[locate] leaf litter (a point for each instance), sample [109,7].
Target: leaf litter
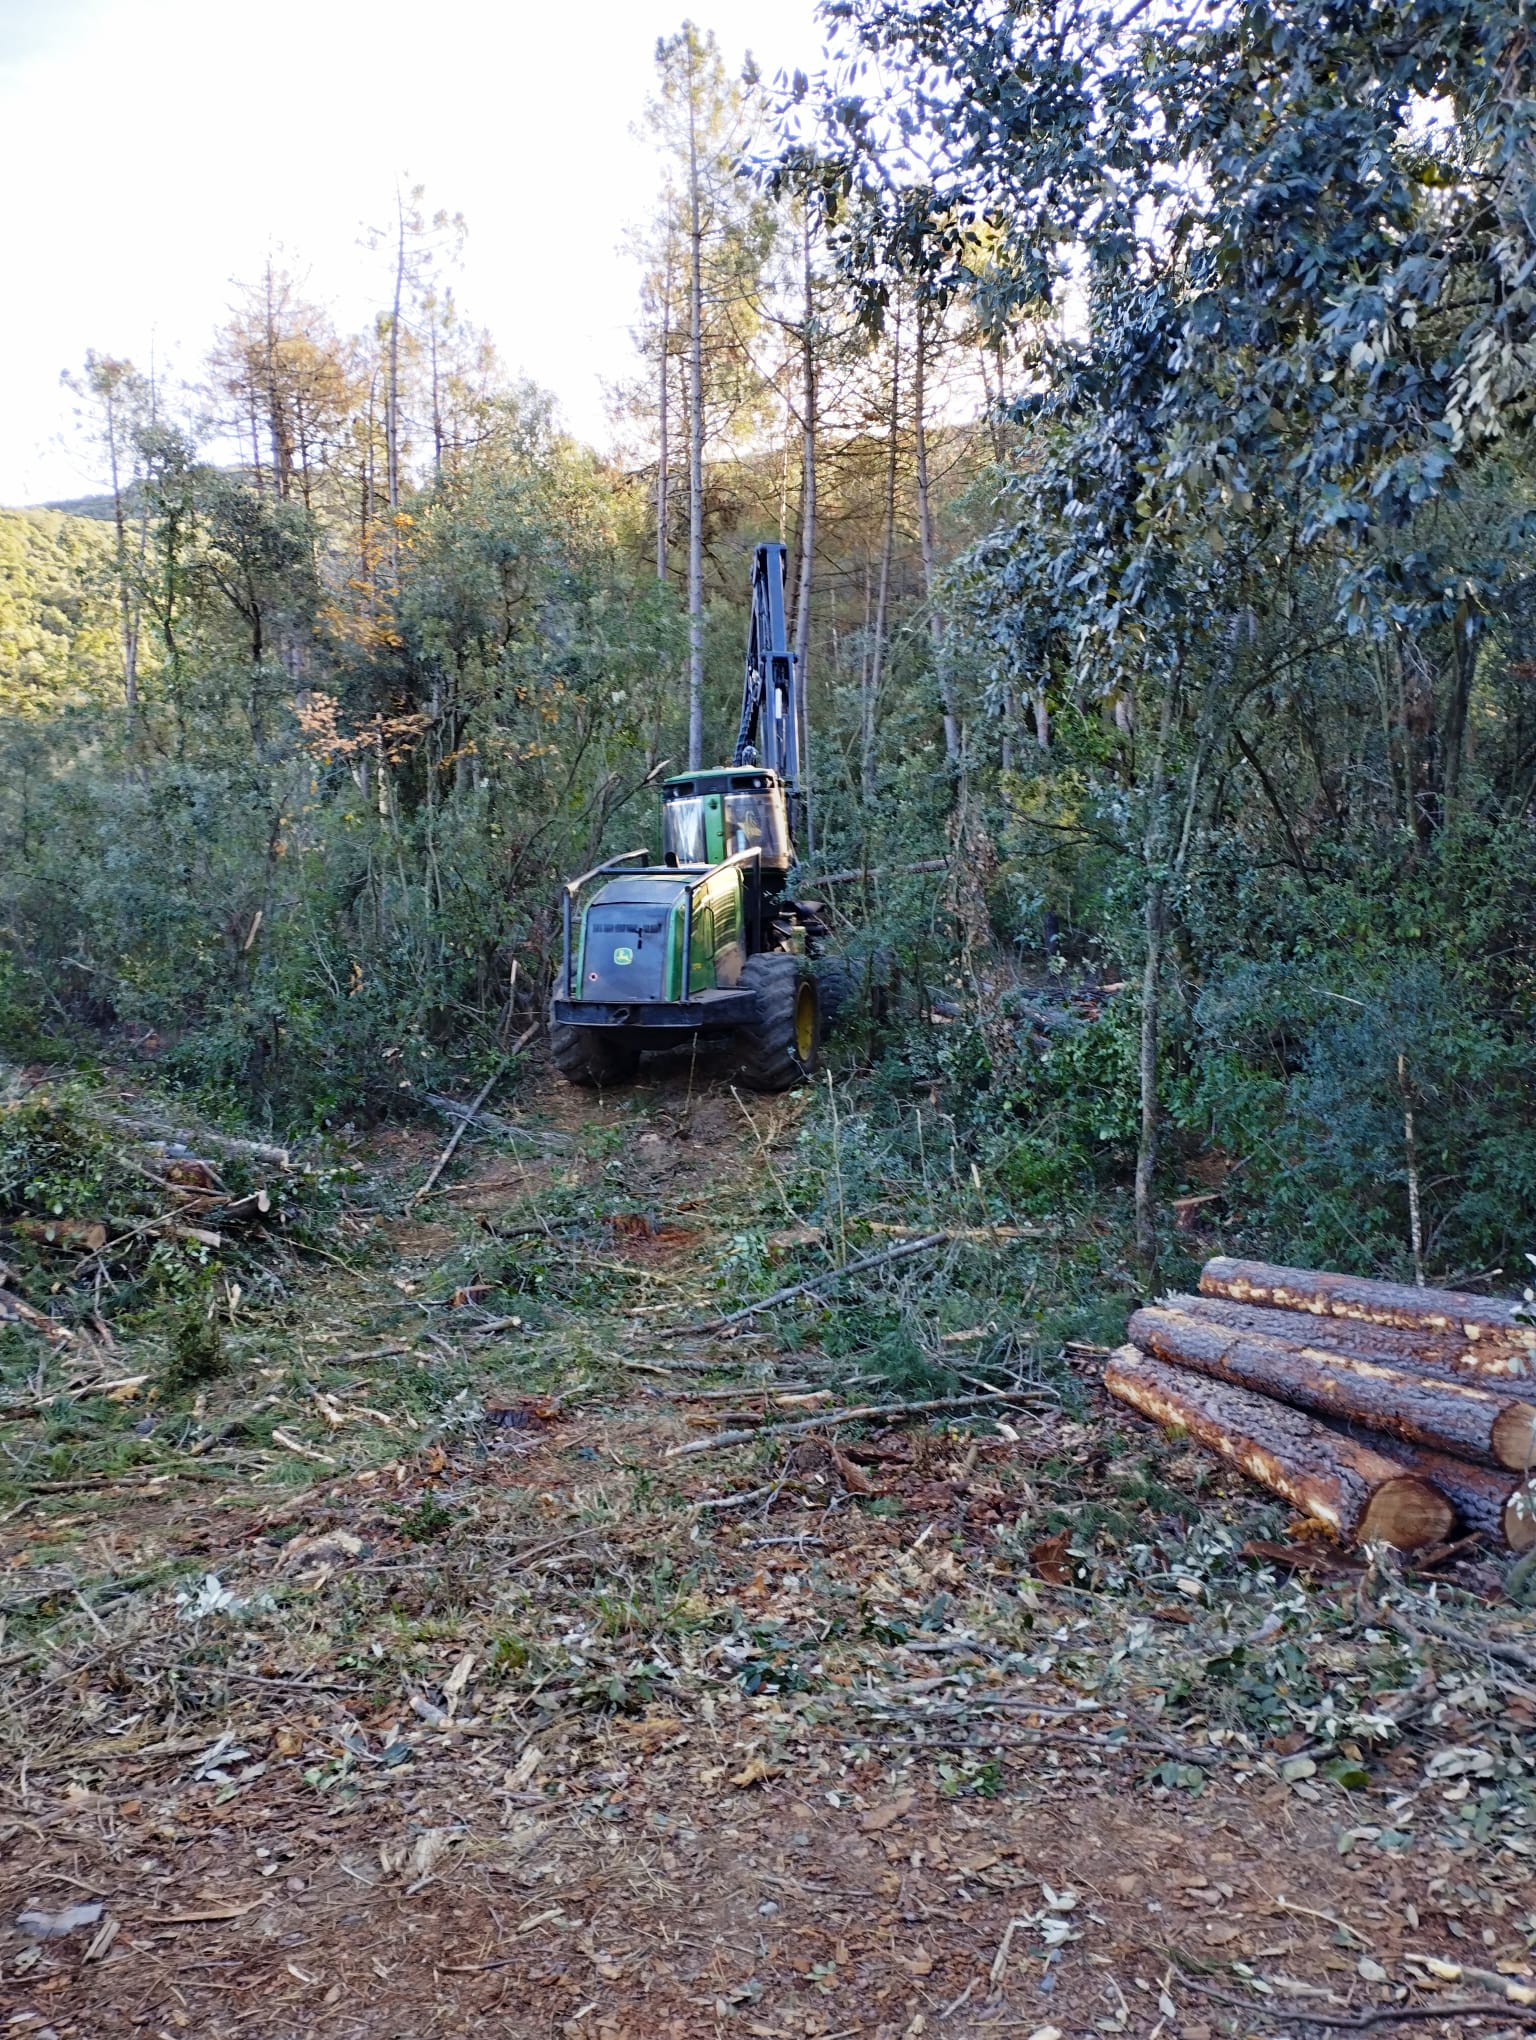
[486,1705]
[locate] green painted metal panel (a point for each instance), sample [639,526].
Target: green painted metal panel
[701,974]
[675,951]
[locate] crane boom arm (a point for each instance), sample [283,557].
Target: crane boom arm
[770,708]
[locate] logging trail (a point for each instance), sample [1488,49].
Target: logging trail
[412,1679]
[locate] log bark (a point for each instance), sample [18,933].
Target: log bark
[69,1235]
[1447,1414]
[15,1310]
[1348,1487]
[1496,1339]
[1421,1349]
[1501,1506]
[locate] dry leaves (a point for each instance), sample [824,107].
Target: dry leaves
[879,1817]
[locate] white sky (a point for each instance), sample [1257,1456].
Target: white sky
[152,151]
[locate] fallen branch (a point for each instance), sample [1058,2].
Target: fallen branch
[1484,1646]
[1348,2022]
[884,871]
[291,1444]
[464,1124]
[1140,1734]
[858,1267]
[867,1413]
[68,1234]
[1509,1987]
[492,1122]
[16,1310]
[970,1232]
[742,1499]
[158,1135]
[77,1392]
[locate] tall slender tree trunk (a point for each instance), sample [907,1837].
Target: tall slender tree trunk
[994,404]
[664,391]
[279,427]
[129,611]
[302,432]
[392,398]
[366,539]
[925,537]
[807,527]
[255,435]
[437,405]
[1155,929]
[695,433]
[1454,742]
[870,703]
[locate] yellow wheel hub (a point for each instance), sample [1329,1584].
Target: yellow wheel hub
[805,1022]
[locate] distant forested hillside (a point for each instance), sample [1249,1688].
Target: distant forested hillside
[59,644]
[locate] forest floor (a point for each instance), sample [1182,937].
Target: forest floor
[415,1683]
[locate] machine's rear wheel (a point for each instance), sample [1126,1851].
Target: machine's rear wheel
[594,1057]
[836,989]
[779,1049]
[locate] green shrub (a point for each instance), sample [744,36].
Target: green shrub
[197,1356]
[54,1162]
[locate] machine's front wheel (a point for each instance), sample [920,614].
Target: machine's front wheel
[780,1048]
[593,1057]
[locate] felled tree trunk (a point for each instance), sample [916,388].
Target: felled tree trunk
[69,1235]
[1497,1343]
[1439,1411]
[1499,1505]
[1420,1348]
[1348,1487]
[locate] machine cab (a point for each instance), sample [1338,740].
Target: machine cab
[709,816]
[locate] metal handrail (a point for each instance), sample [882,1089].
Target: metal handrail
[574,885]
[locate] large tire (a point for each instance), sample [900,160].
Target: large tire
[780,1047]
[594,1057]
[837,989]
[882,983]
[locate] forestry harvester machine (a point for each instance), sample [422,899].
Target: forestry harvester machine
[708,942]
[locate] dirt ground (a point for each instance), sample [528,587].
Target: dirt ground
[476,1712]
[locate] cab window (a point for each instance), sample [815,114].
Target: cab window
[683,830]
[750,825]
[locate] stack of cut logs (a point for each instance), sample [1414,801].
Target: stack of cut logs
[1387,1414]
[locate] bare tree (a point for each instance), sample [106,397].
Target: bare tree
[808,395]
[925,528]
[120,397]
[695,419]
[870,700]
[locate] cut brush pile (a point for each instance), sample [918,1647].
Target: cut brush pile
[1386,1414]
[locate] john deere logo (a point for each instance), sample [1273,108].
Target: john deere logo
[623,956]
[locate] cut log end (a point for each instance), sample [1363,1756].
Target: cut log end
[1519,1520]
[1447,1412]
[1514,1436]
[1348,1486]
[1406,1513]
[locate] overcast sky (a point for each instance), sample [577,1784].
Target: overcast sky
[153,151]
